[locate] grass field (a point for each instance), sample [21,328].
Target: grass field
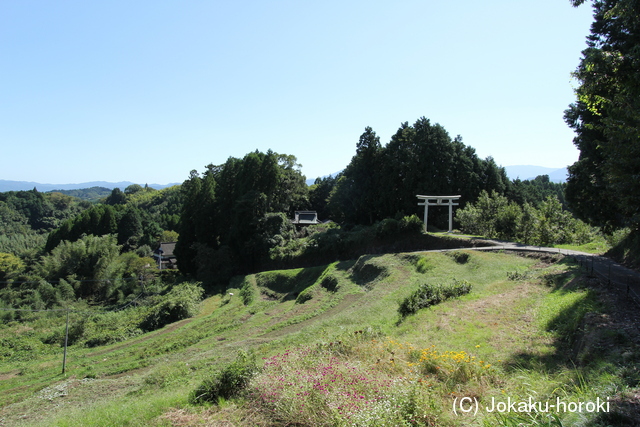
[331,349]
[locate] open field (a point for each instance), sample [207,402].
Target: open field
[530,328]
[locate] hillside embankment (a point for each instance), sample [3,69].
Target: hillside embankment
[331,348]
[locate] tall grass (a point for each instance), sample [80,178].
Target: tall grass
[364,379]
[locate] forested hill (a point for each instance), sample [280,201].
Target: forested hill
[92,194]
[7,185]
[235,217]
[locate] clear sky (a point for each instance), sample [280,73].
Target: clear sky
[146,91]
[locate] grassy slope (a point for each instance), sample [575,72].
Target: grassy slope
[523,328]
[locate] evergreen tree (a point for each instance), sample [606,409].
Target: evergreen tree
[117,197]
[603,185]
[224,215]
[382,182]
[319,194]
[358,187]
[185,249]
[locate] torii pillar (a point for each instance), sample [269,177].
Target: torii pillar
[427,201]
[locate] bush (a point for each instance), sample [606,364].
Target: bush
[411,224]
[246,293]
[229,382]
[387,227]
[330,283]
[496,217]
[427,295]
[179,303]
[390,227]
[424,264]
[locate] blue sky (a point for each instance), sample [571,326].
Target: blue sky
[146,91]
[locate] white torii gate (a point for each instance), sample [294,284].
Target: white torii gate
[438,201]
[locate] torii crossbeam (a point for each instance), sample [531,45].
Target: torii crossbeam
[427,201]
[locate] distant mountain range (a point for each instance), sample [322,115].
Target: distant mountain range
[6,185]
[311,181]
[521,171]
[525,172]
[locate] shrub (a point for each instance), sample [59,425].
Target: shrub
[427,295]
[246,293]
[387,227]
[229,382]
[330,283]
[390,227]
[516,275]
[424,265]
[179,303]
[411,224]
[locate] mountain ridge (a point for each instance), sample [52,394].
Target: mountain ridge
[8,185]
[522,172]
[528,172]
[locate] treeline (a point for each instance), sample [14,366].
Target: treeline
[91,194]
[235,212]
[383,181]
[235,217]
[138,217]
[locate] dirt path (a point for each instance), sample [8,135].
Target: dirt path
[624,279]
[166,330]
[347,301]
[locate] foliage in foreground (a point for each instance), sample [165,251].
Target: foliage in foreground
[41,333]
[338,370]
[359,379]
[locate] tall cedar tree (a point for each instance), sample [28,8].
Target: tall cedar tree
[225,212]
[604,184]
[382,182]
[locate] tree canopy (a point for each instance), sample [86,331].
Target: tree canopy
[227,217]
[383,181]
[604,184]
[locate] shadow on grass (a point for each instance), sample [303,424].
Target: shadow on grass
[288,284]
[591,350]
[573,302]
[366,271]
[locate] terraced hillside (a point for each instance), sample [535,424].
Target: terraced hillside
[327,346]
